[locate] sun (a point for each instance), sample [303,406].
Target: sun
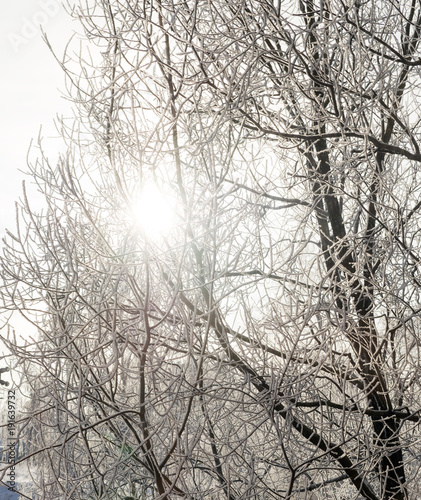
[154,211]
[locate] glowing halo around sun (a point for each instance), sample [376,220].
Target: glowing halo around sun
[154,211]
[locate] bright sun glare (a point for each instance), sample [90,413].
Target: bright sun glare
[154,211]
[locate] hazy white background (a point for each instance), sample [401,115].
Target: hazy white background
[32,86]
[31,89]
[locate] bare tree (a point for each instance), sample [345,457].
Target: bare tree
[267,345]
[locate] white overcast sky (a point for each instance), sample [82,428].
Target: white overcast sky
[32,85]
[31,89]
